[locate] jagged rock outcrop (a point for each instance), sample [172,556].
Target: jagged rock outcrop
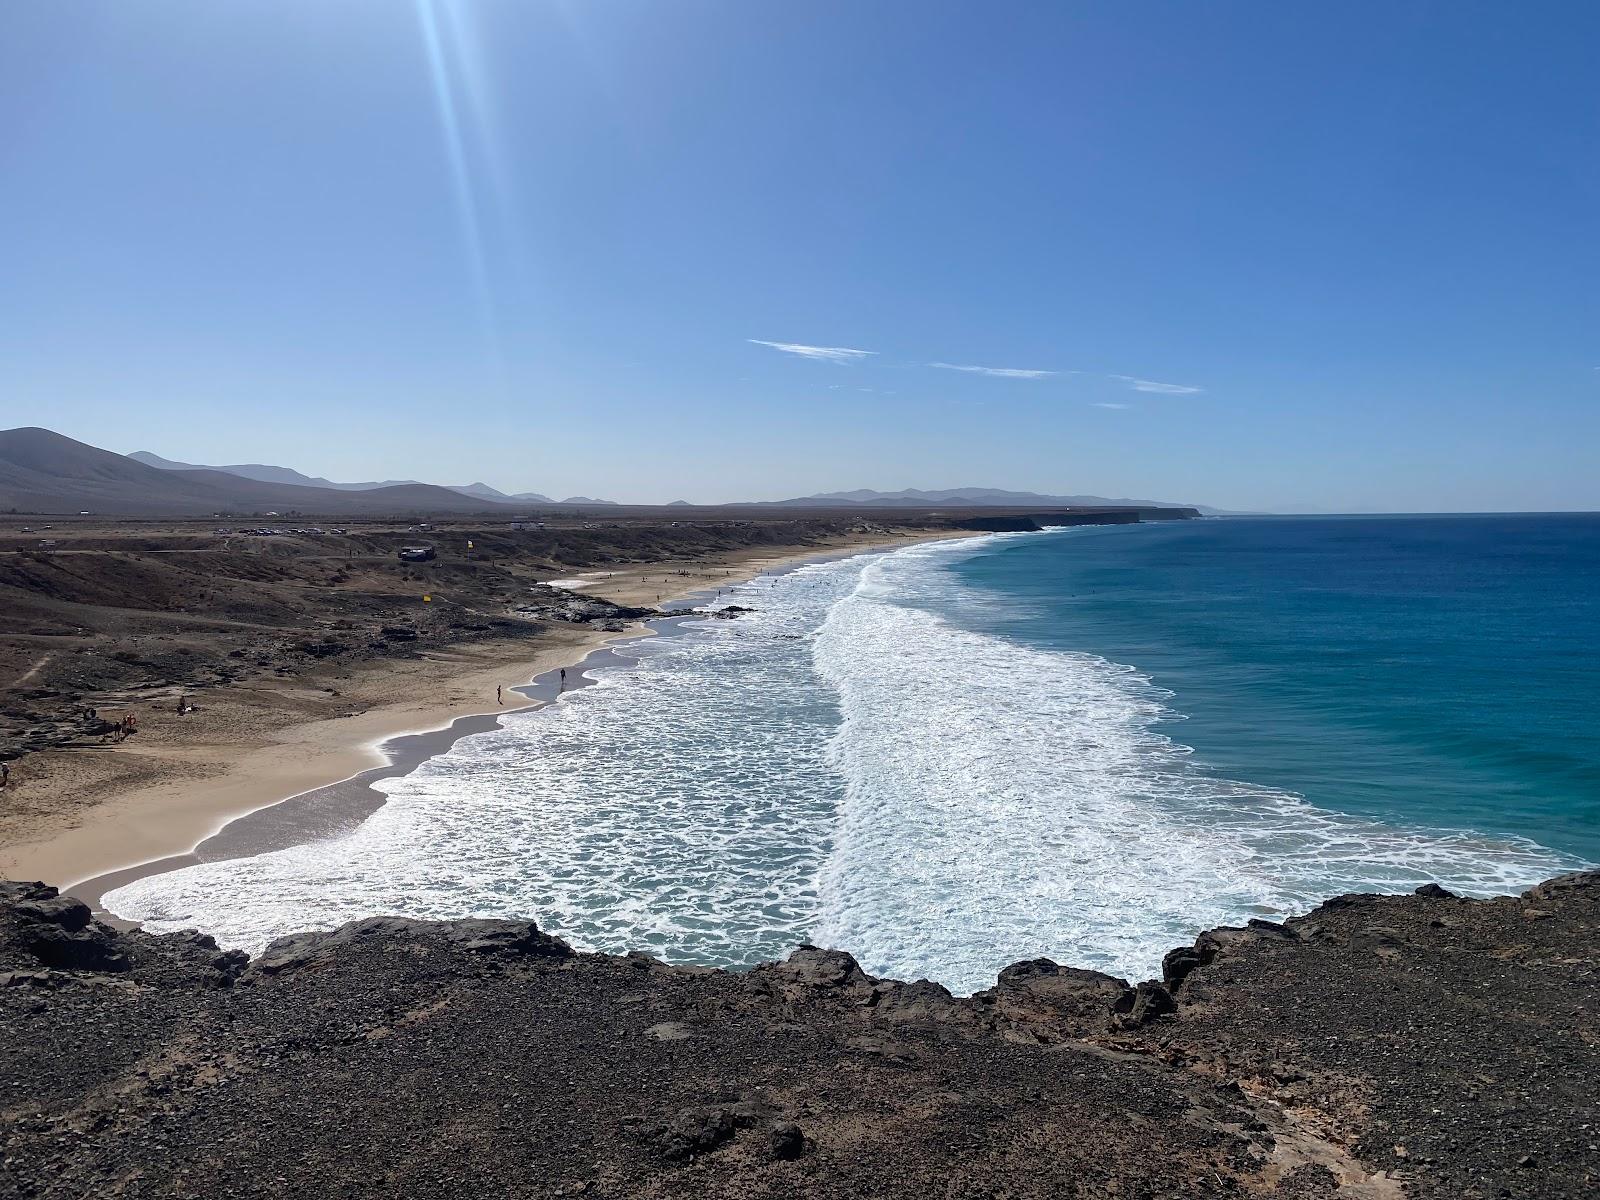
[1045,1002]
[1379,1046]
[303,951]
[51,940]
[57,931]
[547,603]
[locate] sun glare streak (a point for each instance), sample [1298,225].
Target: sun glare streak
[467,209]
[482,116]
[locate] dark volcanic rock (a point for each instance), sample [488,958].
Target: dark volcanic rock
[86,950]
[1140,1005]
[506,937]
[921,1002]
[692,1131]
[785,1140]
[1049,1002]
[54,931]
[1585,884]
[394,1057]
[71,915]
[1176,964]
[322,649]
[202,948]
[1446,1049]
[303,951]
[1434,892]
[558,604]
[811,969]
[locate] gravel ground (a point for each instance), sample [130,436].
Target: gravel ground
[1379,1047]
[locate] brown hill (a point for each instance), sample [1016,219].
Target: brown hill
[47,473]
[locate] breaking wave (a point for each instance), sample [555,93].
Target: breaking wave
[1003,801]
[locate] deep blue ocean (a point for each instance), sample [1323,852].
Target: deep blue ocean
[1436,670]
[1087,743]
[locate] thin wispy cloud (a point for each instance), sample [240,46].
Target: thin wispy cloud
[1163,389]
[995,372]
[833,354]
[840,355]
[1110,404]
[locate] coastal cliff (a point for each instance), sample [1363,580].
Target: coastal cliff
[1380,1046]
[1032,522]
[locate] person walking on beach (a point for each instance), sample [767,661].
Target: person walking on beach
[563,686]
[5,774]
[497,698]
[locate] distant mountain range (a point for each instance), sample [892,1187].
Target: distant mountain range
[269,474]
[45,472]
[485,492]
[971,497]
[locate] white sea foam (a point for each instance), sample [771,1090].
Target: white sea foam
[1004,801]
[842,765]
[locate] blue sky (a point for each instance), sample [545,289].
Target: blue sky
[560,246]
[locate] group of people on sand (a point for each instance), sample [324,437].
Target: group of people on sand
[118,732]
[122,730]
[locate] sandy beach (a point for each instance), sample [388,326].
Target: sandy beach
[93,811]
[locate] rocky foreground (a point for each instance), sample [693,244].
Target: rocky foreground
[1381,1046]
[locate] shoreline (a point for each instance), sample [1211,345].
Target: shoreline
[178,823]
[334,808]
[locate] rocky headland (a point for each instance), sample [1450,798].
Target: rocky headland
[1380,1046]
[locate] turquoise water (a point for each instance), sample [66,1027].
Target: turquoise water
[1088,744]
[1440,670]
